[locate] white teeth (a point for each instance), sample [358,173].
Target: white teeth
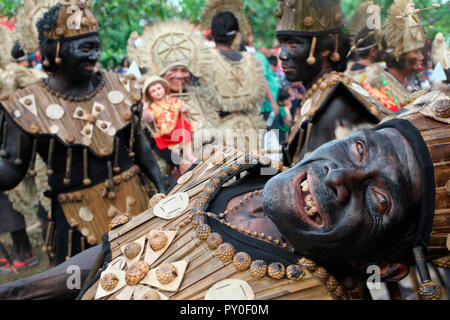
[305,186]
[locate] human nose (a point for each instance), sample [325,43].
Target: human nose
[283,53]
[341,181]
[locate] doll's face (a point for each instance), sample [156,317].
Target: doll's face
[156,92]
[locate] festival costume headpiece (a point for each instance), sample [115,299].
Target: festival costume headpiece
[440,52]
[430,115]
[365,22]
[75,20]
[236,7]
[310,18]
[7,37]
[403,31]
[167,44]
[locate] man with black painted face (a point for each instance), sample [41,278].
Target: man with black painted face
[314,51]
[84,124]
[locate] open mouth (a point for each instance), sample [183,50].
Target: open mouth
[308,205]
[89,67]
[287,69]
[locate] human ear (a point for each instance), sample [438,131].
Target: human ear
[393,271]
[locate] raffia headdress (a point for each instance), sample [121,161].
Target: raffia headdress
[403,31]
[440,52]
[365,21]
[6,45]
[74,20]
[236,7]
[167,44]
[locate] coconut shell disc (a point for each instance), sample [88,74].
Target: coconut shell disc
[230,289]
[171,206]
[172,286]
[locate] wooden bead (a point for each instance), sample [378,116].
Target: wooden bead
[157,241]
[214,240]
[136,272]
[225,252]
[321,273]
[132,250]
[203,231]
[242,261]
[258,269]
[166,273]
[294,272]
[109,281]
[276,270]
[92,240]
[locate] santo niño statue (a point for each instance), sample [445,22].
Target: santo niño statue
[84,125]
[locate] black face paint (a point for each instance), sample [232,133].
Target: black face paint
[294,52]
[364,188]
[79,58]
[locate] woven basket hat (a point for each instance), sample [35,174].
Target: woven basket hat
[74,20]
[308,17]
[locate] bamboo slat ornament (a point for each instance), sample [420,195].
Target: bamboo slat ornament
[50,229]
[83,243]
[18,161]
[111,193]
[131,153]
[308,136]
[69,244]
[86,180]
[51,148]
[116,167]
[31,171]
[311,59]
[68,166]
[3,152]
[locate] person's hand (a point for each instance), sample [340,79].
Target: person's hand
[275,108]
[184,108]
[148,116]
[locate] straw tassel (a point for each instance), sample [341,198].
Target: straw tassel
[18,161]
[31,170]
[69,244]
[428,290]
[68,166]
[116,167]
[111,193]
[86,180]
[3,152]
[132,154]
[51,148]
[311,59]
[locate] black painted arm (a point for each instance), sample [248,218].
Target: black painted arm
[12,173]
[62,282]
[145,158]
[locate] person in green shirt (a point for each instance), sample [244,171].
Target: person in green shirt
[284,120]
[272,88]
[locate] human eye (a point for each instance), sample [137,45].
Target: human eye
[359,150]
[381,200]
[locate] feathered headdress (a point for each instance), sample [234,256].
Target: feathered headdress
[366,22]
[403,31]
[167,44]
[440,51]
[27,18]
[6,45]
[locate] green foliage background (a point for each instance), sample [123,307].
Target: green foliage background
[118,18]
